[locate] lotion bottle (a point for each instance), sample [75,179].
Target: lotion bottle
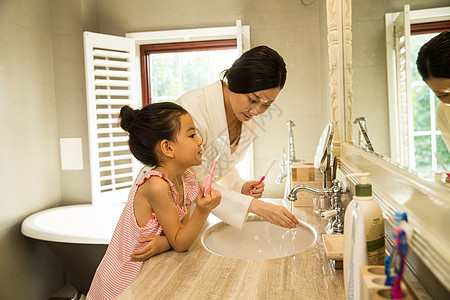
[372,216]
[358,253]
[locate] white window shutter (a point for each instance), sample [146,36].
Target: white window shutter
[399,72]
[242,37]
[110,84]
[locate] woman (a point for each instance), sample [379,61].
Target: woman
[433,64]
[226,108]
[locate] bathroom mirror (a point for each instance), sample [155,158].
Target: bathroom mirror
[370,89]
[321,158]
[395,188]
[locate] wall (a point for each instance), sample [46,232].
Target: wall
[29,158]
[69,19]
[291,28]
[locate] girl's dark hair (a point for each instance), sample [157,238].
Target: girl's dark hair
[150,125]
[433,59]
[258,69]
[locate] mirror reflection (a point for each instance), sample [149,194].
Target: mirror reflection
[322,156]
[391,102]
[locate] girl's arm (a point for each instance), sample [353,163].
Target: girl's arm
[156,244]
[187,216]
[180,236]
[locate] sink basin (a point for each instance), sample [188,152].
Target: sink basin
[258,239]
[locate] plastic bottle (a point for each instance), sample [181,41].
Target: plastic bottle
[373,227]
[358,253]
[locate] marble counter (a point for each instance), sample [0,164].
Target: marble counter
[199,274]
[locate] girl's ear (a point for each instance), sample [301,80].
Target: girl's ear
[167,148]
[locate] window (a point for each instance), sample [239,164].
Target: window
[112,74]
[169,70]
[427,137]
[412,105]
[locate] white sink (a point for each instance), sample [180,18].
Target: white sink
[258,240]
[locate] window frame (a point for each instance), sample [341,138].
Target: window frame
[415,22]
[239,32]
[148,49]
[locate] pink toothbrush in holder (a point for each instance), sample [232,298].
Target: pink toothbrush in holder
[221,140]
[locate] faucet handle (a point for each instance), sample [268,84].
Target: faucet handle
[328,214]
[336,186]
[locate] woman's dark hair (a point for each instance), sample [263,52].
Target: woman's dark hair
[150,125]
[433,59]
[258,69]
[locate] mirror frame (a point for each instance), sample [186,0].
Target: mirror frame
[426,204]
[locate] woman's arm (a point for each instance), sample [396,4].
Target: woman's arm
[275,214]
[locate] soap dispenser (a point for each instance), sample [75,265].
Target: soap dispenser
[364,207]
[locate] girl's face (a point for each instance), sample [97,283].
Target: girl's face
[441,88]
[247,106]
[188,149]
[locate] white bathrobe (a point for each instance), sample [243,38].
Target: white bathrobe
[207,109]
[443,122]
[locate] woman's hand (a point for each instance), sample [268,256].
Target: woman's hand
[155,245]
[209,201]
[253,188]
[275,214]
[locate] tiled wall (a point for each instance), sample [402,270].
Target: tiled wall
[29,158]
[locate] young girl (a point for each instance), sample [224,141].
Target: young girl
[162,136]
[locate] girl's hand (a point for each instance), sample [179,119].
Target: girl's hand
[275,214]
[253,188]
[155,245]
[209,201]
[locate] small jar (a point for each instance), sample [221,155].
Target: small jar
[438,176]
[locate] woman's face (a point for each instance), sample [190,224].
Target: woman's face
[247,106]
[440,87]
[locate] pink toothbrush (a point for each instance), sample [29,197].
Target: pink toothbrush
[272,163]
[220,140]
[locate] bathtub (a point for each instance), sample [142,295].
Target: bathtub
[78,235]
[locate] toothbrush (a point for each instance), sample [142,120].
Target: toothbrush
[401,244]
[272,163]
[221,140]
[395,263]
[442,164]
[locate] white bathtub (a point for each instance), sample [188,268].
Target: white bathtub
[78,235]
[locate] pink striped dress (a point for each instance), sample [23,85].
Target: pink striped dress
[116,270]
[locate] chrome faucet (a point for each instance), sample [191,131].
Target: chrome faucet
[280,178]
[363,136]
[288,161]
[333,194]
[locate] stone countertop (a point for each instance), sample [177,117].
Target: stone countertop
[199,274]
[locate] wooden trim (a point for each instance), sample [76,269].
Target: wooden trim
[147,50]
[145,80]
[430,27]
